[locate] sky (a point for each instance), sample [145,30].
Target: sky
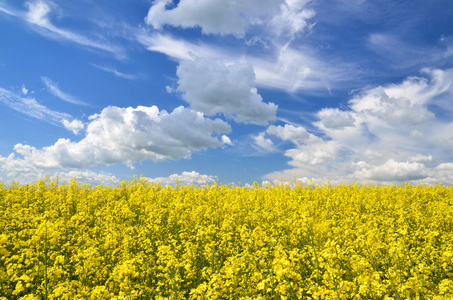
[230,91]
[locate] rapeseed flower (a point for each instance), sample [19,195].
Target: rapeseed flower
[139,240]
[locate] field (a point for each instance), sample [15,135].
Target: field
[139,240]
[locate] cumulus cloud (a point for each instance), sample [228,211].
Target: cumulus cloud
[75,125]
[24,90]
[227,17]
[392,109]
[25,173]
[213,16]
[88,177]
[313,154]
[443,173]
[333,118]
[311,150]
[392,171]
[288,67]
[212,87]
[421,158]
[263,143]
[295,134]
[126,135]
[405,103]
[386,134]
[226,140]
[185,178]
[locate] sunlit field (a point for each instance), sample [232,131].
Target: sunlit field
[139,240]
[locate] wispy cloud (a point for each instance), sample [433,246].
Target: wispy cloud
[116,72]
[31,108]
[8,10]
[392,48]
[55,90]
[176,49]
[283,68]
[38,15]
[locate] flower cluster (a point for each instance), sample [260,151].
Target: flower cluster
[139,240]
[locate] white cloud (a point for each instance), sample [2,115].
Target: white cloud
[127,135]
[88,177]
[292,18]
[335,119]
[226,140]
[24,90]
[285,68]
[263,143]
[185,178]
[213,16]
[212,87]
[55,90]
[116,72]
[387,44]
[24,172]
[17,169]
[392,171]
[7,10]
[387,134]
[416,133]
[441,173]
[293,70]
[394,110]
[38,15]
[295,134]
[175,48]
[275,23]
[404,103]
[311,150]
[420,158]
[75,125]
[232,17]
[313,154]
[30,107]
[169,89]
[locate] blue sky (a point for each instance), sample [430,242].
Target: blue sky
[235,91]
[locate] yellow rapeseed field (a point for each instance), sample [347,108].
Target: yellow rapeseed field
[139,240]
